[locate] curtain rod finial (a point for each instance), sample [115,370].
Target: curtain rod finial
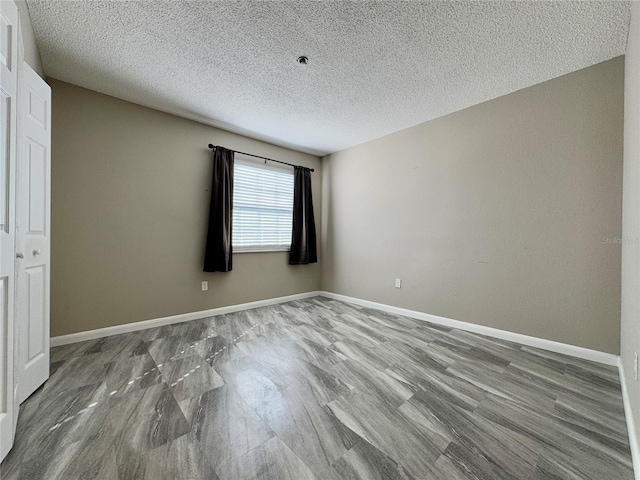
[211,145]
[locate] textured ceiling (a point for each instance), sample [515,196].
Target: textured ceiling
[374,67]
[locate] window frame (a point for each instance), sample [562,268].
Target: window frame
[260,164]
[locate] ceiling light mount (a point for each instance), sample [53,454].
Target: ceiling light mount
[303,60]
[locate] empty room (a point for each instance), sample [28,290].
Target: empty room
[319,240]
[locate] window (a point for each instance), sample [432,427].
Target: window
[262,208]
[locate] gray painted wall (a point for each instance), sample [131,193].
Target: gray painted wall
[130,203]
[630,318]
[493,215]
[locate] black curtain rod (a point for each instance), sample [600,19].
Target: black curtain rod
[212,146]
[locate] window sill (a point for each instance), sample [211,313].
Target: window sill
[266,250]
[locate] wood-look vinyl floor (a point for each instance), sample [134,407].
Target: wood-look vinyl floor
[319,389]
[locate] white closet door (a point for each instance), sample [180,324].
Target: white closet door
[33,231]
[8,141]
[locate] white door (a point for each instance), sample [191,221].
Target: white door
[33,231]
[8,141]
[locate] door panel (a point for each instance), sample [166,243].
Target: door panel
[37,109]
[34,214]
[36,183]
[5,117]
[36,317]
[8,142]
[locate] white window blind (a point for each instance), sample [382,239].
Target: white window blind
[262,208]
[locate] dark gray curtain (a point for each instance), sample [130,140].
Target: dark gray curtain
[217,257]
[303,241]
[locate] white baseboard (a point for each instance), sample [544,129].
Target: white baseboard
[183,317]
[575,351]
[558,347]
[631,426]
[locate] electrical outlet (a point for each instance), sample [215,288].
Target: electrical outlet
[398,283]
[635,367]
[205,286]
